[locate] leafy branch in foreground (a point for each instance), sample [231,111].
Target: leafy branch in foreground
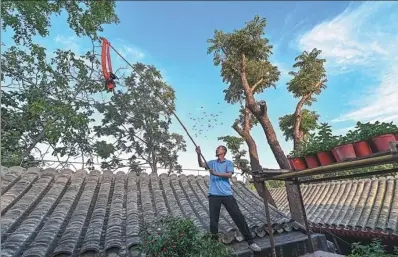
[374,249]
[171,237]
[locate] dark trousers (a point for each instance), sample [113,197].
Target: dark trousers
[233,209]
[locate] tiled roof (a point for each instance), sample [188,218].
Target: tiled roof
[364,207]
[49,212]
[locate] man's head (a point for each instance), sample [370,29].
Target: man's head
[221,151]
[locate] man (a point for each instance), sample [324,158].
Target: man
[220,192]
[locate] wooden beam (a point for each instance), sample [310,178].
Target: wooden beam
[390,158]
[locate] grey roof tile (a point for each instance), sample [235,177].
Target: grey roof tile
[369,205]
[56,213]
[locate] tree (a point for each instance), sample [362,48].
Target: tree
[139,122]
[31,18]
[245,67]
[48,100]
[243,126]
[309,122]
[308,81]
[234,145]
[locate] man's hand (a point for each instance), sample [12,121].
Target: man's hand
[212,172]
[198,151]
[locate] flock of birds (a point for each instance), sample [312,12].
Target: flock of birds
[205,121]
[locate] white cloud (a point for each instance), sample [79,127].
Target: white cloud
[70,43]
[127,50]
[380,103]
[354,37]
[362,39]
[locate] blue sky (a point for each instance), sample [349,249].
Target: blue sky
[358,39]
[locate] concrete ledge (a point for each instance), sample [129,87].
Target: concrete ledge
[322,254]
[293,244]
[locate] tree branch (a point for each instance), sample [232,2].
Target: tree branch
[236,127]
[36,140]
[245,83]
[297,114]
[254,87]
[319,84]
[246,123]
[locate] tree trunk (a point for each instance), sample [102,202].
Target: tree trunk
[255,165]
[254,160]
[297,133]
[262,116]
[292,189]
[154,163]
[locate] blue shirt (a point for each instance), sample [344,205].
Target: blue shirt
[220,186]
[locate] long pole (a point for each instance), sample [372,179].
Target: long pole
[167,105]
[307,227]
[268,216]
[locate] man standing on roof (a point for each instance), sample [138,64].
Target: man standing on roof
[220,192]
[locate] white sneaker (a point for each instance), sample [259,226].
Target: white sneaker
[255,247]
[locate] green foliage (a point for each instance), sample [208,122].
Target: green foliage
[311,72]
[322,140]
[234,145]
[374,249]
[309,122]
[365,131]
[228,50]
[241,118]
[45,96]
[44,101]
[299,152]
[179,237]
[311,147]
[31,18]
[325,140]
[139,122]
[275,184]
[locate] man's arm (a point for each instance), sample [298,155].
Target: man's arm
[228,174]
[201,163]
[223,175]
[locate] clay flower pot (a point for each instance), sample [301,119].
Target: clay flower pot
[396,137]
[312,161]
[381,142]
[345,152]
[325,158]
[335,155]
[297,163]
[362,149]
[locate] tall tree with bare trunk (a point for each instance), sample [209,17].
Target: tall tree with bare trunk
[244,58]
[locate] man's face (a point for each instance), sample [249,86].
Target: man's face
[220,151]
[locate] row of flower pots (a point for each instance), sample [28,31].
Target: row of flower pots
[340,152]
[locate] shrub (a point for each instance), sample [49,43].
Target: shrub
[374,249]
[171,237]
[325,138]
[365,131]
[321,141]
